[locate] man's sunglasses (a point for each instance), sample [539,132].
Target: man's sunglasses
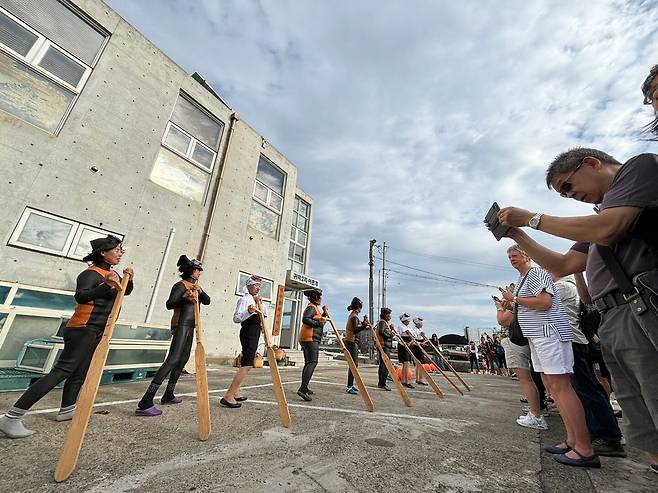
[566,186]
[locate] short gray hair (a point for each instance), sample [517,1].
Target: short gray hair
[518,249]
[571,159]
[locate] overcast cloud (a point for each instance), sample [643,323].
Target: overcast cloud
[407,119]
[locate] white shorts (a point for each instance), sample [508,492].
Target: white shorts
[516,356]
[550,355]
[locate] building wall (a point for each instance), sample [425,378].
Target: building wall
[117,125]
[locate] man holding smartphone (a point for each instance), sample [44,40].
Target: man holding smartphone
[626,194]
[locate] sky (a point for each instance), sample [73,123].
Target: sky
[406,121]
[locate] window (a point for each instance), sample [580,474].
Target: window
[270,182]
[47,55]
[189,150]
[266,288]
[299,235]
[268,198]
[43,232]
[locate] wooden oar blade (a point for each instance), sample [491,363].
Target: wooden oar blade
[75,436]
[284,412]
[204,425]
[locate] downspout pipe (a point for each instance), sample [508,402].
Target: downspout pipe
[213,205]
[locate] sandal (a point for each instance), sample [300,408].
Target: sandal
[557,450]
[581,461]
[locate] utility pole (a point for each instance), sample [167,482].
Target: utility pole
[371,263]
[384,275]
[379,290]
[371,310]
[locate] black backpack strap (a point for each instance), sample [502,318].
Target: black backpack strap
[615,268]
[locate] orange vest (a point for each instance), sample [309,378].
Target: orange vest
[306,332]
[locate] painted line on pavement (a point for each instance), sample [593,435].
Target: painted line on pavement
[362,413]
[187,394]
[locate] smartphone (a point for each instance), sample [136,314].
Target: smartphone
[497,229]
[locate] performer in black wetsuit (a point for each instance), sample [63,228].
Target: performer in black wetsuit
[94,298]
[181,300]
[385,337]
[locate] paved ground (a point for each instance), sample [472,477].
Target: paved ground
[457,444]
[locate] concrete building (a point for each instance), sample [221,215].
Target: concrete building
[102,132]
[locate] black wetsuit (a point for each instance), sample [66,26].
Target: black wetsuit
[81,336]
[182,328]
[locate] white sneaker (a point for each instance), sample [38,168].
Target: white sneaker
[532,421]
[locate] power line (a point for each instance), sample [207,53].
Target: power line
[442,281]
[451,259]
[463,281]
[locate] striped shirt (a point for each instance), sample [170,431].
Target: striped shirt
[542,323]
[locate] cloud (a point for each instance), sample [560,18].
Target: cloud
[407,119]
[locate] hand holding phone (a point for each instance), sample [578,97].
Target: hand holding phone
[491,220]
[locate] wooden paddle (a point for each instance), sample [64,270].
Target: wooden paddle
[202,398]
[370,406]
[68,457]
[284,412]
[439,368]
[445,360]
[389,366]
[432,383]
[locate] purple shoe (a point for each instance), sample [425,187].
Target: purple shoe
[151,411]
[175,400]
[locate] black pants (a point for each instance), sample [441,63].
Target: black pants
[599,415]
[72,366]
[179,353]
[353,349]
[382,371]
[311,350]
[536,377]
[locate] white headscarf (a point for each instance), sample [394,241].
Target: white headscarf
[405,317]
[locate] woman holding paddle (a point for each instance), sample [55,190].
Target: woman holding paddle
[385,336]
[96,288]
[184,294]
[351,339]
[310,336]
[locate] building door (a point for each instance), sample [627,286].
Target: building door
[289,323]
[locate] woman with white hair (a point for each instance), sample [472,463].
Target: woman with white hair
[246,314]
[543,322]
[404,356]
[419,337]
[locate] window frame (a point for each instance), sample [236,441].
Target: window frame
[190,148]
[265,279]
[72,240]
[76,92]
[39,50]
[270,191]
[295,231]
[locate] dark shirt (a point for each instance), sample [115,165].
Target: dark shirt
[183,308]
[634,185]
[385,335]
[316,325]
[94,298]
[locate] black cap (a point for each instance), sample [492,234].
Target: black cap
[185,264]
[313,294]
[102,245]
[356,303]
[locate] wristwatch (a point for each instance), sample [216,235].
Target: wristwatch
[534,221]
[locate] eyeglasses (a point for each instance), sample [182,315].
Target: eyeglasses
[565,187]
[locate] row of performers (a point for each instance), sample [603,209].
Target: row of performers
[95,294]
[310,336]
